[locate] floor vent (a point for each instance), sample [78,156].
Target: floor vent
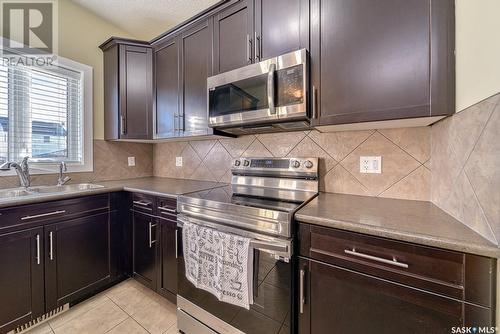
[40,320]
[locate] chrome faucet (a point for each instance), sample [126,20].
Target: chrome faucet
[62,180]
[22,170]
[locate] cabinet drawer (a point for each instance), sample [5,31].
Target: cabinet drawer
[166,208]
[144,203]
[428,268]
[49,212]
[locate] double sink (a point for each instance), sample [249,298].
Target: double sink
[9,194]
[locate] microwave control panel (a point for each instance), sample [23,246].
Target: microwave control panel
[290,83]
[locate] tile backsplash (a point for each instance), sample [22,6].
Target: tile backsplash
[110,163]
[405,155]
[465,158]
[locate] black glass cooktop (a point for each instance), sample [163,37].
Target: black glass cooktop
[252,197]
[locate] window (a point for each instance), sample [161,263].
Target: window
[46,114]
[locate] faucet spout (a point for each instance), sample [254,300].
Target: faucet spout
[62,180]
[22,169]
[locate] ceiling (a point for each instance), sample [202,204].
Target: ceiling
[145,19]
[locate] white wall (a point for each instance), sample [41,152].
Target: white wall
[478,51]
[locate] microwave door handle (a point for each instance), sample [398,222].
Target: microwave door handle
[270,89]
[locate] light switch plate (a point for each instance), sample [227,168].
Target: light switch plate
[131,161]
[178,161]
[370,165]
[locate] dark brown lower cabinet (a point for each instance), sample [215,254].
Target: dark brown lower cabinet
[21,277]
[144,229]
[167,259]
[77,258]
[339,300]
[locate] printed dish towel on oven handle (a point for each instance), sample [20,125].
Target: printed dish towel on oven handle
[220,263]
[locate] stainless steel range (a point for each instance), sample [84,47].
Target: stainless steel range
[260,203]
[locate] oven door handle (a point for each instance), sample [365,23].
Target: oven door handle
[270,89]
[281,249]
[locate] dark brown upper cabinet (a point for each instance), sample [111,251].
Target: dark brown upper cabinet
[281,26]
[195,66]
[167,88]
[128,89]
[253,30]
[233,32]
[381,60]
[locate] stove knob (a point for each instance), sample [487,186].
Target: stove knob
[246,163]
[296,164]
[237,163]
[308,164]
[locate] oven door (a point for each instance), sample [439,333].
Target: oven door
[201,312]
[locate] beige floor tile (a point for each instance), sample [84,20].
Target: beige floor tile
[156,318]
[133,299]
[173,329]
[129,326]
[96,321]
[41,329]
[78,310]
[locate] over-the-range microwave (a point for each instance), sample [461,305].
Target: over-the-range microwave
[268,96]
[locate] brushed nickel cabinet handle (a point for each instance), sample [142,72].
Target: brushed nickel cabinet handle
[257,48]
[313,101]
[176,245]
[249,49]
[43,215]
[301,290]
[392,262]
[151,241]
[51,246]
[37,249]
[123,130]
[163,208]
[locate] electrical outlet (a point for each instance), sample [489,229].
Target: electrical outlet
[131,161]
[370,165]
[178,161]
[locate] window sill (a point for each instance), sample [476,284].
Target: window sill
[51,169]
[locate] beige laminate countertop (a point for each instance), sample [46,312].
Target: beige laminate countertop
[412,221]
[157,186]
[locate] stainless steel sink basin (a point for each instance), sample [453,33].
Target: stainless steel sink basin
[65,188]
[10,194]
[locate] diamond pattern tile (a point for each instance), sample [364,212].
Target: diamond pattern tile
[396,163]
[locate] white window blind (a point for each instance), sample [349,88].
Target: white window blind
[41,114]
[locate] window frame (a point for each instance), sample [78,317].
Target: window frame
[86,105]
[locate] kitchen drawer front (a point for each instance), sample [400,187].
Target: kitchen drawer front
[48,212]
[144,203]
[432,269]
[166,208]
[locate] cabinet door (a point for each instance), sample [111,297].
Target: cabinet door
[136,91]
[166,64]
[281,26]
[21,278]
[77,258]
[234,37]
[370,59]
[344,301]
[196,67]
[144,249]
[167,264]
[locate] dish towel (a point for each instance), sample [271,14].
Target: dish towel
[220,263]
